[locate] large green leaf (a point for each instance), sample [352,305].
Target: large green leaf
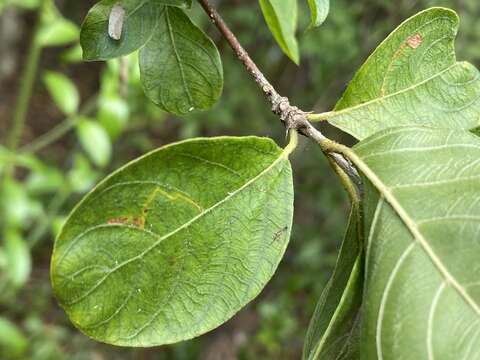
[422,224]
[331,329]
[319,10]
[412,78]
[281,18]
[138,26]
[180,67]
[175,243]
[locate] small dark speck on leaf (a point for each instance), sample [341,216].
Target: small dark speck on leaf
[414,41]
[277,235]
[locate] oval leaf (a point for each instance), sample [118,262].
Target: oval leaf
[331,333]
[180,67]
[319,10]
[63,91]
[422,216]
[281,18]
[412,78]
[95,141]
[175,243]
[139,23]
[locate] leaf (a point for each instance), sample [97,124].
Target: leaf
[140,22]
[13,344]
[319,10]
[55,30]
[176,242]
[113,114]
[281,18]
[63,91]
[180,67]
[330,329]
[95,141]
[57,33]
[412,78]
[19,262]
[422,221]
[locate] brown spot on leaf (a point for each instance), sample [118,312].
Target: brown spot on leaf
[415,41]
[126,220]
[118,220]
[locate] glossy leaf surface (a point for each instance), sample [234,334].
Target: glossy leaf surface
[139,23]
[176,242]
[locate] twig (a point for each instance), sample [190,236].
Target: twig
[291,116]
[59,130]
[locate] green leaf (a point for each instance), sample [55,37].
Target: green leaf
[281,18]
[422,224]
[19,263]
[180,67]
[319,10]
[412,78]
[57,33]
[95,141]
[176,242]
[329,334]
[81,177]
[139,23]
[113,114]
[13,344]
[63,91]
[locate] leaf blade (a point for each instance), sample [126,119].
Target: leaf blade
[339,305]
[412,78]
[139,24]
[421,241]
[180,67]
[319,10]
[281,18]
[195,216]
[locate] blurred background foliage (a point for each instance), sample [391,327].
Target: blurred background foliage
[86,119]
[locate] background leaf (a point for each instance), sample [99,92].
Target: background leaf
[281,18]
[19,263]
[95,141]
[139,24]
[175,243]
[422,294]
[63,92]
[319,10]
[412,78]
[329,334]
[180,67]
[13,344]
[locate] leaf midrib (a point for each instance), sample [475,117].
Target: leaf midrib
[282,156]
[411,226]
[177,56]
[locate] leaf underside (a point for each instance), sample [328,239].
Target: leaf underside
[422,225]
[175,243]
[319,10]
[281,18]
[412,78]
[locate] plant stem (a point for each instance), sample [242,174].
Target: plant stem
[26,85]
[61,129]
[291,116]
